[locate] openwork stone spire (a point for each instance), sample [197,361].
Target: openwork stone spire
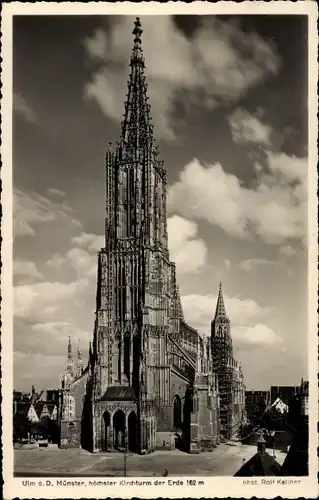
[137,130]
[220,308]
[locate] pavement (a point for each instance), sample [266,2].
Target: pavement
[225,460]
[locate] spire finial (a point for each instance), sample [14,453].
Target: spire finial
[137,31]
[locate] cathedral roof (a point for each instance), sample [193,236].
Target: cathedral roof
[119,393]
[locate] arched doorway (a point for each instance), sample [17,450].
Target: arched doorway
[177,412]
[132,431]
[105,430]
[119,429]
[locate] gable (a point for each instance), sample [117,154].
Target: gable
[32,414]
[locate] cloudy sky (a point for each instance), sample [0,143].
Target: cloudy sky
[229,106]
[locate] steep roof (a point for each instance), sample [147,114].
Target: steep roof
[119,393]
[279,405]
[39,406]
[261,464]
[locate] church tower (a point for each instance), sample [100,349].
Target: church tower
[223,363]
[130,362]
[222,347]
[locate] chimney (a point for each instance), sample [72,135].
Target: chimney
[261,445]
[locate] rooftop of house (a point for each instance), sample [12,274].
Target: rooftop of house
[261,464]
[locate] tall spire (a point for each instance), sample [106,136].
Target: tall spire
[137,131]
[220,308]
[69,366]
[79,366]
[198,357]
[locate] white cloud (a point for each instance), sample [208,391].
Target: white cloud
[30,300]
[56,192]
[289,168]
[32,209]
[248,128]
[219,63]
[42,370]
[26,270]
[188,252]
[257,334]
[245,316]
[89,241]
[21,107]
[59,331]
[249,264]
[274,209]
[227,263]
[287,250]
[82,262]
[199,311]
[97,45]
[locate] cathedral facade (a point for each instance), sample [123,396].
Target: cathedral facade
[152,382]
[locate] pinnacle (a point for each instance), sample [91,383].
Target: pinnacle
[69,346]
[137,31]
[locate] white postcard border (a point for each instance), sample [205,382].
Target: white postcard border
[214,486]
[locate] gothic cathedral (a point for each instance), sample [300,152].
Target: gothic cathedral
[152,382]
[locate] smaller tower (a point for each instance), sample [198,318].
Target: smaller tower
[69,365]
[79,364]
[204,424]
[223,361]
[195,445]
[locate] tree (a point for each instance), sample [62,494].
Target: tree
[245,430]
[273,419]
[255,412]
[48,429]
[23,427]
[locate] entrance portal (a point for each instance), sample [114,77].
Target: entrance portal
[132,431]
[119,429]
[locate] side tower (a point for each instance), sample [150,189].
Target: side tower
[204,421]
[66,413]
[222,353]
[130,365]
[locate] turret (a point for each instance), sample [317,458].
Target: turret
[261,445]
[69,365]
[79,365]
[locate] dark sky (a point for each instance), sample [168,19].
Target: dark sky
[229,106]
